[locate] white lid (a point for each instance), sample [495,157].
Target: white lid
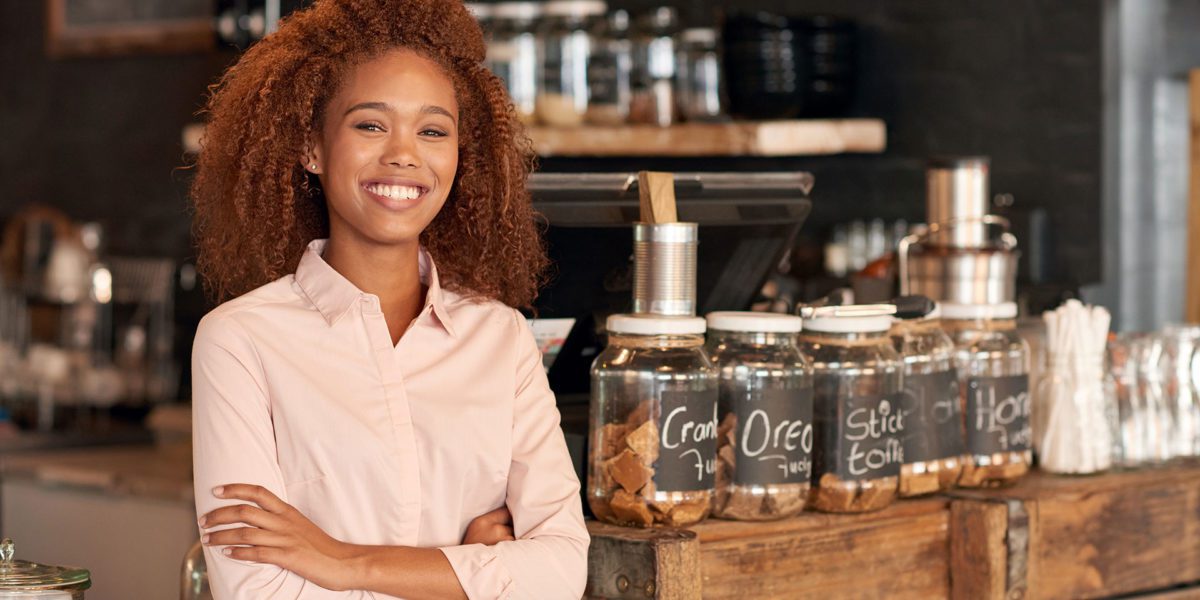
[575,8]
[700,35]
[850,324]
[1003,310]
[754,322]
[654,325]
[516,10]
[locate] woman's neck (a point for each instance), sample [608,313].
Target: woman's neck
[390,272]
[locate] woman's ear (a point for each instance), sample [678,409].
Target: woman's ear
[311,157]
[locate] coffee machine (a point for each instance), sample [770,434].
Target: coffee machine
[965,255]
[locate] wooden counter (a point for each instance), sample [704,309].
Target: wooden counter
[146,470]
[1046,537]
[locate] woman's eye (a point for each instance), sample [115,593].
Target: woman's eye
[369,126]
[434,133]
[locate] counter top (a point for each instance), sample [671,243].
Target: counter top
[161,471]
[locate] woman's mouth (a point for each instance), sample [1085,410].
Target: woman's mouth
[395,196]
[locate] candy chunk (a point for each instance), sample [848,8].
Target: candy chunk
[687,513]
[628,471]
[612,439]
[644,442]
[630,509]
[640,414]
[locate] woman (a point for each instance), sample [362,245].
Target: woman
[371,417]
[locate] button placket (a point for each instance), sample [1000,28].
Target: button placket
[408,509]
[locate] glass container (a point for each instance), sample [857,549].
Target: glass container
[933,435]
[993,374]
[858,424]
[653,425]
[565,45]
[699,77]
[512,53]
[765,435]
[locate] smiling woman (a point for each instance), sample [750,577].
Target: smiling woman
[371,417]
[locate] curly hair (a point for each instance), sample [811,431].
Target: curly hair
[256,208]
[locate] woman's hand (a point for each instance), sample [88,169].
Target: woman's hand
[490,529]
[277,534]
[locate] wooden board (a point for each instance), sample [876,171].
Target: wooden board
[1192,300]
[750,138]
[1078,537]
[899,552]
[642,563]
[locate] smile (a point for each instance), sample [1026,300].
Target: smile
[395,195]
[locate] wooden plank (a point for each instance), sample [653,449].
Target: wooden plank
[978,550]
[1082,537]
[656,197]
[642,563]
[749,138]
[899,552]
[1192,303]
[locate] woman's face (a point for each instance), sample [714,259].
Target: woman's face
[388,150]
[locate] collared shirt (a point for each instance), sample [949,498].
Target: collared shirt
[298,388]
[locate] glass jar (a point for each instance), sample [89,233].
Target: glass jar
[653,99]
[565,45]
[857,381]
[24,579]
[765,435]
[609,69]
[993,375]
[512,53]
[653,427]
[698,82]
[933,435]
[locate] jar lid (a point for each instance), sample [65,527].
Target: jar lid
[655,325]
[1003,310]
[754,322]
[575,8]
[22,575]
[700,35]
[850,324]
[516,10]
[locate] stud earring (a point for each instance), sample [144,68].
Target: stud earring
[313,167]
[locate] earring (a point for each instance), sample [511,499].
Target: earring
[313,167]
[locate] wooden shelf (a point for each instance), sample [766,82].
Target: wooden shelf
[1048,536]
[749,138]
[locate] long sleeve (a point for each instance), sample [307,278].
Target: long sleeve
[549,557]
[234,442]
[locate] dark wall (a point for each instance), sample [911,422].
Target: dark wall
[98,138]
[1019,81]
[1016,80]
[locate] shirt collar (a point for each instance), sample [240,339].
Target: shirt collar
[333,294]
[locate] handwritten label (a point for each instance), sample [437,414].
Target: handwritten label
[688,428]
[932,416]
[861,438]
[998,414]
[775,437]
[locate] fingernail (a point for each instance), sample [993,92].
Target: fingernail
[217,491]
[227,551]
[204,538]
[203,520]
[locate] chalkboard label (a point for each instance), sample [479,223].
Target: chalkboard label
[998,414]
[932,416]
[861,439]
[775,437]
[687,428]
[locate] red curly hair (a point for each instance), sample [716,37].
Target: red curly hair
[256,208]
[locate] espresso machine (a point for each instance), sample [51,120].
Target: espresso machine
[966,254]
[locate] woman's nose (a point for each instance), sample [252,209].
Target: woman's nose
[402,151]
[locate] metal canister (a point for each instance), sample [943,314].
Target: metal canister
[664,268]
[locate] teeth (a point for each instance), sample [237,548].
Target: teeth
[399,192]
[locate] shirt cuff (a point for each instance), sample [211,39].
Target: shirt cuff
[480,571]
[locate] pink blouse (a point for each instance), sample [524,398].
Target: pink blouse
[297,387]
